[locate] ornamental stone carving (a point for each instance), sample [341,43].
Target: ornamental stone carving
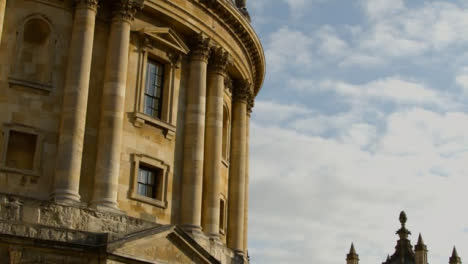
[126,9]
[228,84]
[219,60]
[242,91]
[90,4]
[201,48]
[250,104]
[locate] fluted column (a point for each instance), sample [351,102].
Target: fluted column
[2,16]
[213,142]
[194,137]
[75,99]
[235,237]
[247,174]
[112,106]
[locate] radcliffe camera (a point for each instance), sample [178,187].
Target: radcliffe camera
[233,131]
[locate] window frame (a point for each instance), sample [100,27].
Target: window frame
[150,46]
[150,162]
[161,87]
[36,170]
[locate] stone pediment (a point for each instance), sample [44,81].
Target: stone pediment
[165,244]
[165,36]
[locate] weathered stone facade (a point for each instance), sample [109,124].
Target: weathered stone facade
[124,130]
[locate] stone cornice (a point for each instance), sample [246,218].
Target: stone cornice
[126,9]
[241,27]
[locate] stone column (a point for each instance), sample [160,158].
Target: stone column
[194,137]
[247,174]
[2,16]
[235,236]
[213,143]
[75,99]
[112,107]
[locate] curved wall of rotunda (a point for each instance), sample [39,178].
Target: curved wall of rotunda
[138,108]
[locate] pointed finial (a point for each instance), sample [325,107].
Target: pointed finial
[352,253]
[455,259]
[420,245]
[388,257]
[403,232]
[403,218]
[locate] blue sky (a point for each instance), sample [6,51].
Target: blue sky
[364,113]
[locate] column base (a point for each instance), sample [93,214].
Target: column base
[193,230]
[106,206]
[66,197]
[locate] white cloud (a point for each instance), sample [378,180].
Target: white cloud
[462,79]
[312,196]
[288,47]
[393,89]
[378,8]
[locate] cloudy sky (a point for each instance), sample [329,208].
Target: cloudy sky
[364,113]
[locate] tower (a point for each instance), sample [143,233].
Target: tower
[455,259]
[352,257]
[404,253]
[420,251]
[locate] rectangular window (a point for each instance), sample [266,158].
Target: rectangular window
[150,182]
[21,150]
[154,89]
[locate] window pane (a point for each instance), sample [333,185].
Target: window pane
[141,189]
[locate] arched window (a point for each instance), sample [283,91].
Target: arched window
[226,132]
[34,53]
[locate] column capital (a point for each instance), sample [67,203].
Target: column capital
[219,60]
[126,10]
[242,91]
[201,48]
[175,58]
[89,4]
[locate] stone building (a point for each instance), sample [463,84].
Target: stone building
[125,130]
[404,253]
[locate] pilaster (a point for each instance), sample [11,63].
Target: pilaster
[213,142]
[112,106]
[75,98]
[194,137]
[237,179]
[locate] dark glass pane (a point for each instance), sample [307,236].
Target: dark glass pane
[149,192]
[141,189]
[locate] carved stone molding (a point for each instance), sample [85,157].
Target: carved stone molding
[201,48]
[246,36]
[126,9]
[242,91]
[175,58]
[219,60]
[89,4]
[250,104]
[228,83]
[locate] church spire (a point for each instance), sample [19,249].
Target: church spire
[420,251]
[352,257]
[455,259]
